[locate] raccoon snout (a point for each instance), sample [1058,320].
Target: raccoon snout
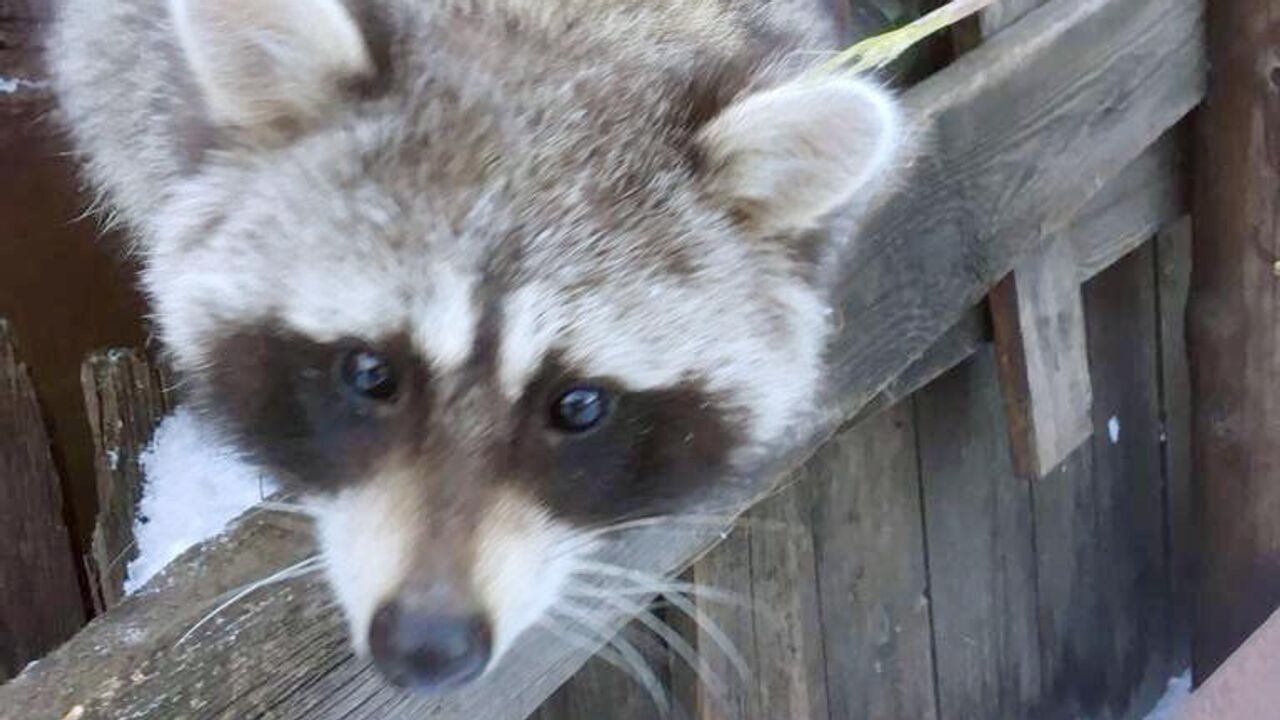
[429,649]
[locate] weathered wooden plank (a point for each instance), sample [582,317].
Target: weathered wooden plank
[1145,197]
[727,568]
[1024,130]
[1038,317]
[1129,479]
[1234,330]
[869,547]
[1102,571]
[40,600]
[1039,330]
[1144,57]
[979,529]
[954,347]
[125,401]
[769,562]
[1173,284]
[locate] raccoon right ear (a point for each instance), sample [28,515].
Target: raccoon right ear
[263,63]
[788,158]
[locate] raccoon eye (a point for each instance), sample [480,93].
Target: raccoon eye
[369,375]
[579,409]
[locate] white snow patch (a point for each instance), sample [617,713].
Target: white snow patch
[11,86]
[1113,429]
[194,486]
[1174,698]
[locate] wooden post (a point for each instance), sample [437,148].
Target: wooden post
[1234,329]
[125,401]
[40,600]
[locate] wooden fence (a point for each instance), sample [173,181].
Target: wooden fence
[986,519]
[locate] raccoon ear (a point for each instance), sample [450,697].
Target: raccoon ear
[258,63]
[789,157]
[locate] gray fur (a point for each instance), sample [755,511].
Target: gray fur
[541,162]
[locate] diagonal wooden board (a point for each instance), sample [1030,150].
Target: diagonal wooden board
[1021,133]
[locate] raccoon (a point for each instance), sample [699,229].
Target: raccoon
[477,278]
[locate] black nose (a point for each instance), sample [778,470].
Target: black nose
[428,651]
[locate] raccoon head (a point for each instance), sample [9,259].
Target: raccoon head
[496,290]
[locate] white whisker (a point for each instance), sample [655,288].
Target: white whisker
[681,647]
[713,631]
[298,569]
[643,672]
[568,635]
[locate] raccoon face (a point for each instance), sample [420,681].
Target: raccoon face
[473,318]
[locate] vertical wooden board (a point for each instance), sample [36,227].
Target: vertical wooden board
[1124,347]
[1051,315]
[1173,280]
[1103,570]
[40,600]
[727,569]
[1040,335]
[1234,329]
[1039,321]
[768,564]
[125,400]
[873,588]
[790,667]
[981,549]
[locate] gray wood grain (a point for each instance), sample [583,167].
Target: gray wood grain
[1022,132]
[1173,285]
[768,562]
[40,601]
[125,400]
[1144,198]
[979,528]
[1040,333]
[1103,573]
[1049,318]
[869,545]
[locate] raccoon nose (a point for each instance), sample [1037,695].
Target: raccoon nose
[428,651]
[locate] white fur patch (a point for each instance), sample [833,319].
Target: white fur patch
[527,334]
[521,565]
[444,325]
[367,535]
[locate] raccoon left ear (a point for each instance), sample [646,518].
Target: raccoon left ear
[788,158]
[263,62]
